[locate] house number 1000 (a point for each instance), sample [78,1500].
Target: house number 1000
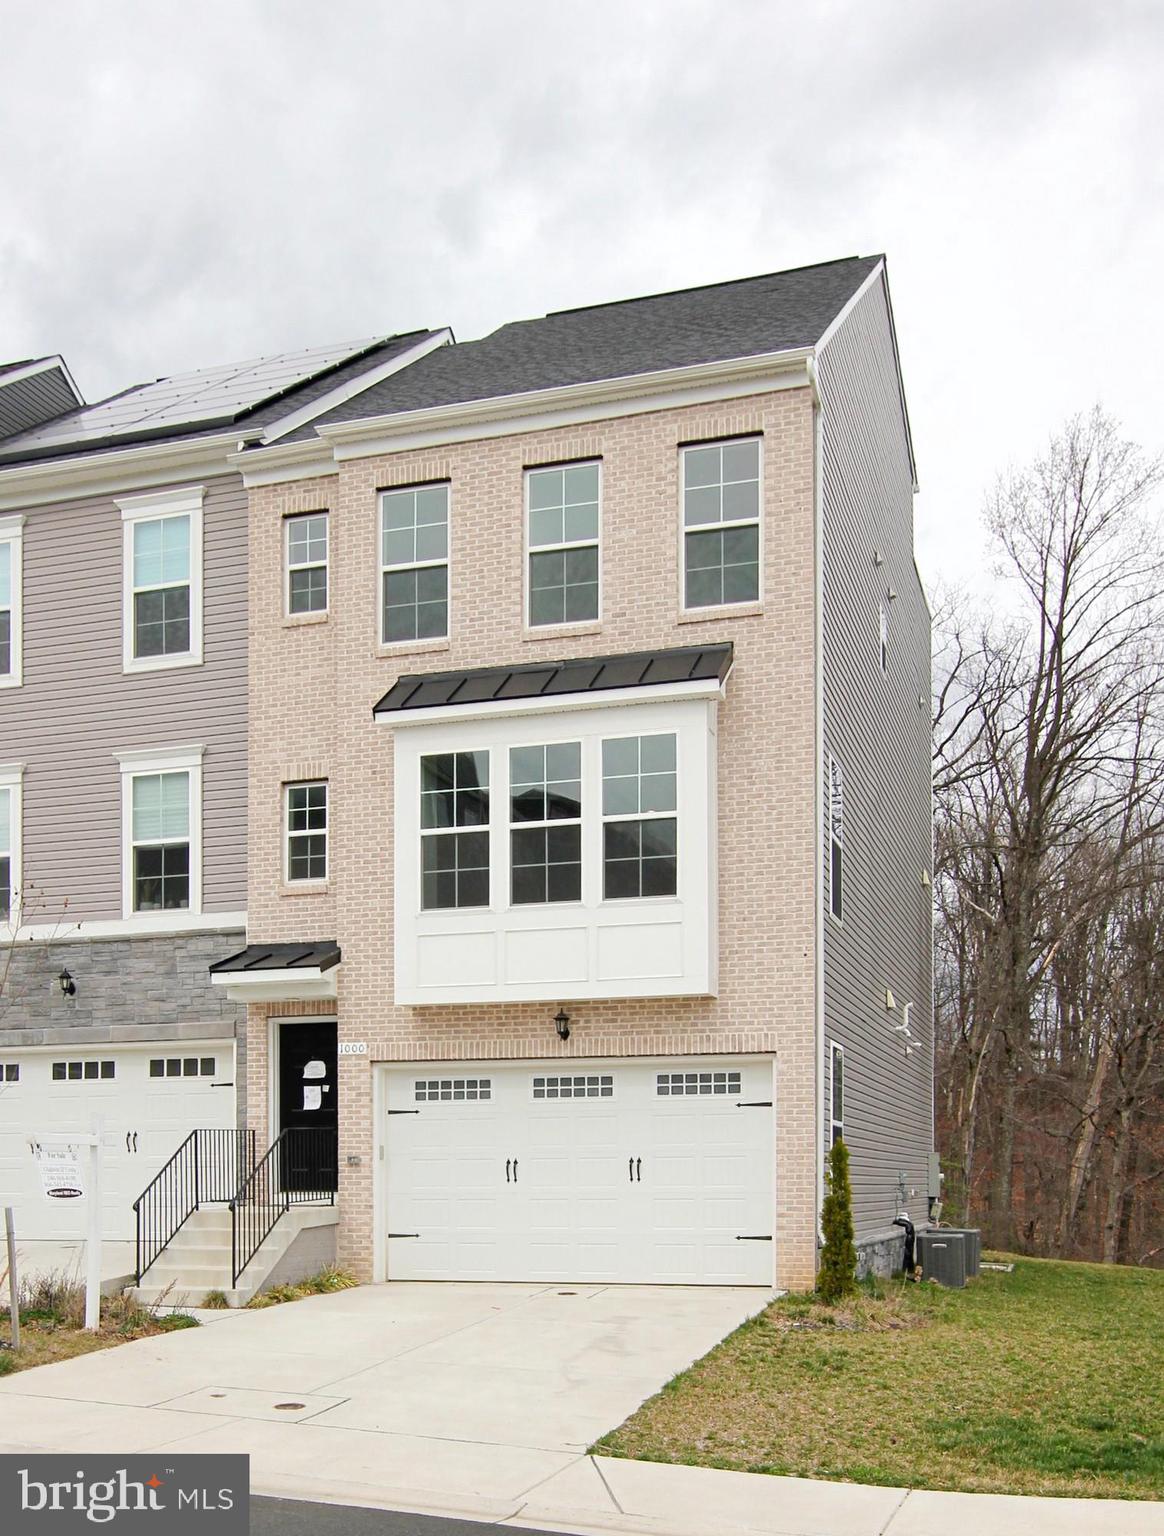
[353,1047]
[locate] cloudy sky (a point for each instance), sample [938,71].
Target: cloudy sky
[183,184]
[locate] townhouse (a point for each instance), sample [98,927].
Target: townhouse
[588,829]
[123,777]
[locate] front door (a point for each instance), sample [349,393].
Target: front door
[308,1107]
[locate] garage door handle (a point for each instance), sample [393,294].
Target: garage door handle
[135,1141]
[508,1165]
[515,1170]
[127,1141]
[754,1104]
[752,1238]
[630,1169]
[638,1170]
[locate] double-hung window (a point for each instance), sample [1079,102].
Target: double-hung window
[163,579]
[836,1093]
[836,812]
[563,536]
[545,794]
[10,595]
[307,563]
[454,838]
[721,523]
[640,827]
[10,782]
[162,837]
[306,808]
[414,564]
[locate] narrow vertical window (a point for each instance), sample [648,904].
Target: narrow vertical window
[6,841]
[307,563]
[306,806]
[884,639]
[161,587]
[836,1093]
[563,537]
[721,523]
[160,840]
[414,564]
[640,828]
[545,792]
[10,595]
[836,838]
[454,839]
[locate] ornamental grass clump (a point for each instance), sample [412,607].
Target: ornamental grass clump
[838,1260]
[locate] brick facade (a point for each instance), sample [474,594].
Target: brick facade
[313,685]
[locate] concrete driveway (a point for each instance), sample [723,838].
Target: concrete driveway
[448,1396]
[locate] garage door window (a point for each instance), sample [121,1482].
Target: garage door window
[82,1071]
[678,1084]
[182,1066]
[453,1089]
[573,1087]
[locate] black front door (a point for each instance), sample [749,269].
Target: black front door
[308,1107]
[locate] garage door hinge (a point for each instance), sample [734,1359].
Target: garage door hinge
[752,1238]
[404,1111]
[404,1234]
[753,1103]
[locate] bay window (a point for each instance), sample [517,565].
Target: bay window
[639,832]
[454,797]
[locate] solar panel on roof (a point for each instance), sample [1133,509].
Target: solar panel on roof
[190,399]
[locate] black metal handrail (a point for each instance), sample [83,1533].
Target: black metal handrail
[299,1168]
[207,1169]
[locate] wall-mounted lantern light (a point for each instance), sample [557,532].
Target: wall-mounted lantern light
[562,1024]
[68,985]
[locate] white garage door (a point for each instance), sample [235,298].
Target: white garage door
[645,1172]
[148,1098]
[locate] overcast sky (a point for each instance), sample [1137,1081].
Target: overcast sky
[186,182]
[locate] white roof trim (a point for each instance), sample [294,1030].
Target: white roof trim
[38,482]
[530,402]
[294,985]
[356,385]
[42,365]
[556,703]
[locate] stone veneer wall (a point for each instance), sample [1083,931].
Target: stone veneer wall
[315,679]
[127,990]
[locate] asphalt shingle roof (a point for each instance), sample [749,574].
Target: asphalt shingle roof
[774,313]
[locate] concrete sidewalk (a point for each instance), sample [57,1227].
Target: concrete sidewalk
[478,1401]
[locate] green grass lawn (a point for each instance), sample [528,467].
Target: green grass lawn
[1048,1380]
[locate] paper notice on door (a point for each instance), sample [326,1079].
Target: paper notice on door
[315,1069]
[312,1097]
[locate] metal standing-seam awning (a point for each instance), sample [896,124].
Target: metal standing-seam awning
[271,973]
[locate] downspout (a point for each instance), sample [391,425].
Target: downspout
[818,796]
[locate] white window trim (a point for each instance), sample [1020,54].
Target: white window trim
[184,502]
[135,762]
[578,821]
[752,603]
[12,779]
[317,882]
[835,1050]
[835,762]
[638,816]
[12,534]
[528,627]
[426,642]
[306,565]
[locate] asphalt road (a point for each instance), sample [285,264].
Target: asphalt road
[290,1517]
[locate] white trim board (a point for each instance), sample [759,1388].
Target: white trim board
[512,415]
[356,386]
[168,925]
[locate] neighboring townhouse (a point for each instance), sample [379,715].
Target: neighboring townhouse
[589,795]
[123,776]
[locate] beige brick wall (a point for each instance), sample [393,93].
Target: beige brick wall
[313,686]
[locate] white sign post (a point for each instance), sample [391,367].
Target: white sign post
[62,1178]
[13,1282]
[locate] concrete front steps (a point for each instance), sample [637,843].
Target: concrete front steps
[197,1259]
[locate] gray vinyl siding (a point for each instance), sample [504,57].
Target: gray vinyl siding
[29,402]
[877,725]
[77,707]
